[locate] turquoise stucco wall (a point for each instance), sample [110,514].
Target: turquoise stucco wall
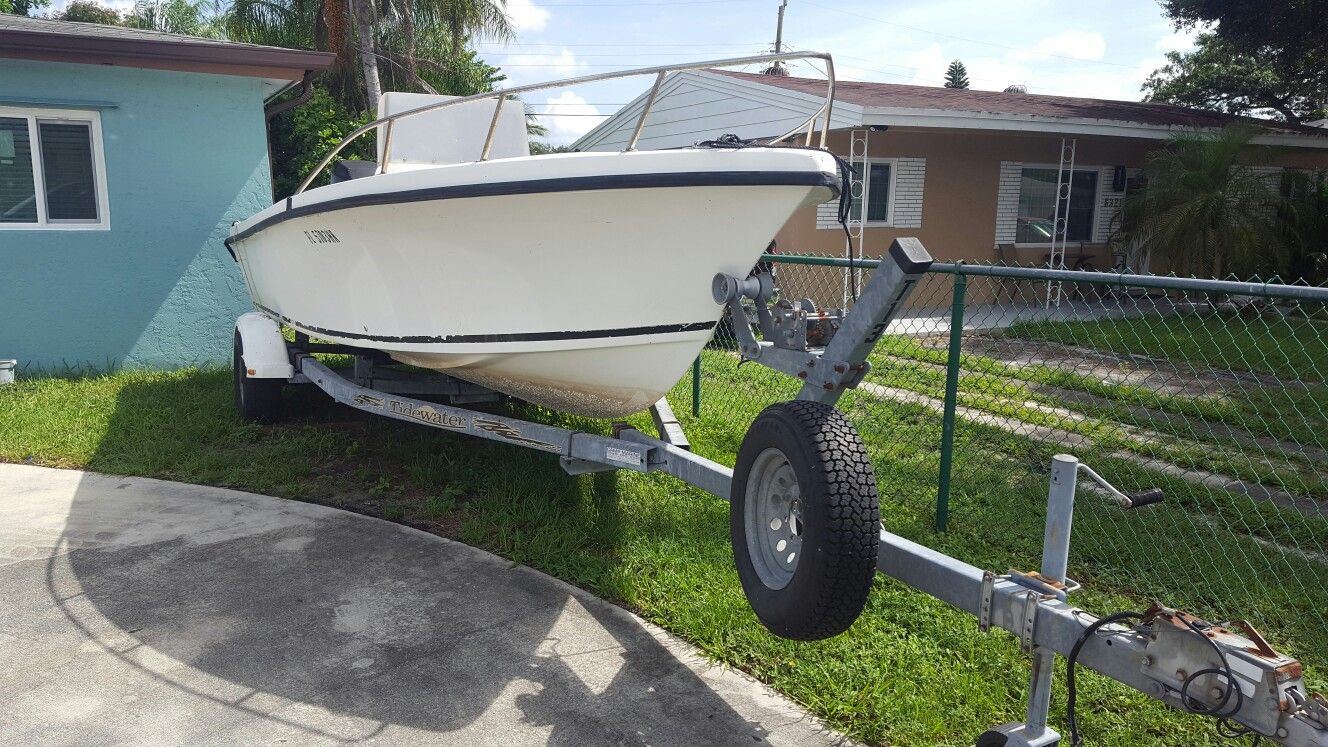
[186,154]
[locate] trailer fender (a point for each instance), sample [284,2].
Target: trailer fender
[264,348]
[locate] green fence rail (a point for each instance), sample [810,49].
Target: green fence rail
[1214,391]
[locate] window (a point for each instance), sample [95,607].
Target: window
[51,174]
[1037,206]
[877,191]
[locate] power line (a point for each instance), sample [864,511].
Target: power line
[957,38]
[665,3]
[632,44]
[605,54]
[935,81]
[620,66]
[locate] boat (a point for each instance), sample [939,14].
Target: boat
[576,281]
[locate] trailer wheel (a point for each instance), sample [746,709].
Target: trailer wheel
[258,400]
[805,520]
[993,738]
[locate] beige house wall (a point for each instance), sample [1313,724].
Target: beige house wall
[960,188]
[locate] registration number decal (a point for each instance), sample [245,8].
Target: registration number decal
[321,236]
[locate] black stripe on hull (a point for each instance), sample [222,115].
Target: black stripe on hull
[563,184]
[658,329]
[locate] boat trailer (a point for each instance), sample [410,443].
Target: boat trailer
[780,497]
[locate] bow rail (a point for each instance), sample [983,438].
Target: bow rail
[660,72]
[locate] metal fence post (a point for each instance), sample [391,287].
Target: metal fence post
[696,387]
[951,395]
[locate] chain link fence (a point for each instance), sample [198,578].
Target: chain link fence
[1218,397]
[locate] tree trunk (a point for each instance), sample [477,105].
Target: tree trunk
[408,31]
[364,29]
[334,18]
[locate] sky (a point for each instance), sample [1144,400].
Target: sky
[1076,48]
[1093,48]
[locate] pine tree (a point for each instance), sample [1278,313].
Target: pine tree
[956,76]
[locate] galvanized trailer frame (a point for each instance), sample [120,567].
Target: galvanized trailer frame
[1173,657]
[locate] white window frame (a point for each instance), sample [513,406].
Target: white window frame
[1097,203]
[92,118]
[889,221]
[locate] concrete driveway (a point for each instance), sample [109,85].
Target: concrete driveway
[153,612]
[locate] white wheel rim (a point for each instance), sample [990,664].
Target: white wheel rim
[772,508]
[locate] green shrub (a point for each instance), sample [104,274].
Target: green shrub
[302,136]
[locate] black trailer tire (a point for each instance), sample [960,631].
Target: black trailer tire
[258,400]
[806,577]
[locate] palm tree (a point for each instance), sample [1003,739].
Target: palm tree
[296,24]
[366,28]
[199,18]
[402,41]
[440,27]
[1206,210]
[1306,214]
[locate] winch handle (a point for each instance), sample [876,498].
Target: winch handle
[1144,498]
[1152,495]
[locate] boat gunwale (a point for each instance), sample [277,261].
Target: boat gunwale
[604,182]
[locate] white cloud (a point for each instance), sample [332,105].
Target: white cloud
[121,5]
[577,117]
[1180,41]
[1079,45]
[561,65]
[526,16]
[928,65]
[522,68]
[995,74]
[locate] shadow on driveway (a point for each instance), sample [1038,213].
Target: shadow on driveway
[154,611]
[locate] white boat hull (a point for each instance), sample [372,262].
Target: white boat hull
[541,285]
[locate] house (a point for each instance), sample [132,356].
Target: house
[974,174]
[125,155]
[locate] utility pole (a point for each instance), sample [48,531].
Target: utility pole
[778,68]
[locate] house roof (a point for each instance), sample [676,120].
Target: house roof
[1029,105]
[96,44]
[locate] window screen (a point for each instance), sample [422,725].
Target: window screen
[878,193]
[18,202]
[66,151]
[876,188]
[1037,206]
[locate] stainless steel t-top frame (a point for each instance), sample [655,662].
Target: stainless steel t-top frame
[659,71]
[1168,655]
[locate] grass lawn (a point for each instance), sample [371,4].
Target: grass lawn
[1294,349]
[912,671]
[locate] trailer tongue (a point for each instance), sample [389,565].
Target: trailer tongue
[805,520]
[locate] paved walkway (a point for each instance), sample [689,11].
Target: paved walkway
[153,612]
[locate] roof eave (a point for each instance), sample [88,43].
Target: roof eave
[168,54]
[949,119]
